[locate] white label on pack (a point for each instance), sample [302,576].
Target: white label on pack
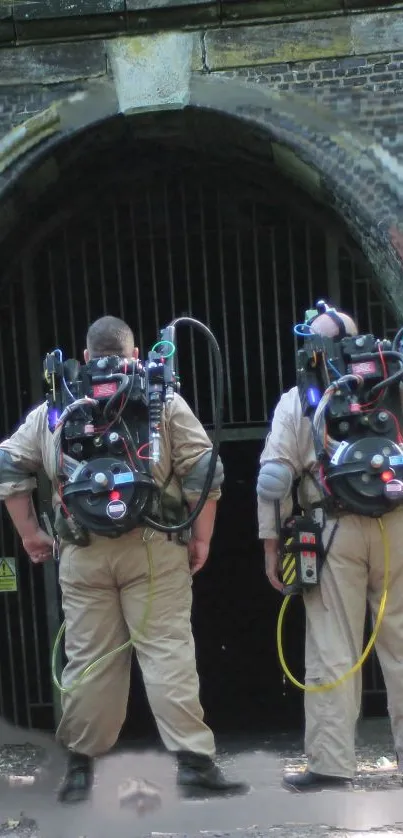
[337,454]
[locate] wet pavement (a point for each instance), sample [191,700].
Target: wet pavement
[374,806]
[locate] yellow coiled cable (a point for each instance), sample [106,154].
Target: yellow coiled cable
[315,688]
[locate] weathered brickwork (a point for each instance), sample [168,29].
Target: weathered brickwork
[33,77]
[365,91]
[373,72]
[20,102]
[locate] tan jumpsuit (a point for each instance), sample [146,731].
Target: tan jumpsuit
[105,587]
[335,610]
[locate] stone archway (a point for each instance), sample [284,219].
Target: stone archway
[80,142]
[342,168]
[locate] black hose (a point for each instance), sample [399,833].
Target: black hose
[372,356]
[386,382]
[124,383]
[217,432]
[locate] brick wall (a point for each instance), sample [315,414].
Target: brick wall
[373,72]
[366,92]
[20,102]
[33,77]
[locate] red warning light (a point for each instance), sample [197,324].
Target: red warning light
[115,495]
[387,475]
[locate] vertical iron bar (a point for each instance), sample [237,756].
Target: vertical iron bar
[206,293]
[242,319]
[9,641]
[52,294]
[367,297]
[290,239]
[308,262]
[168,233]
[13,669]
[276,307]
[101,263]
[383,316]
[332,268]
[21,621]
[85,279]
[118,259]
[354,287]
[224,307]
[259,313]
[152,257]
[69,292]
[136,278]
[36,636]
[168,236]
[189,296]
[31,575]
[44,490]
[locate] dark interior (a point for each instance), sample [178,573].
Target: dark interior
[235,245]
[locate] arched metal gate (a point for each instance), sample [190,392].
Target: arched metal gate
[153,248]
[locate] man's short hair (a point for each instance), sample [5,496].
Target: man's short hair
[109,336]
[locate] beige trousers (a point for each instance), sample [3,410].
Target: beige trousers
[335,615]
[105,588]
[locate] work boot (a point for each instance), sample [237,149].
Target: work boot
[78,780]
[198,774]
[309,781]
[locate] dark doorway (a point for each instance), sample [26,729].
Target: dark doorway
[178,234]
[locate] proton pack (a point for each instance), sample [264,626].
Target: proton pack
[105,417]
[350,389]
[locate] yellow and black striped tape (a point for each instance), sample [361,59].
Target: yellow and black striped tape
[289,566]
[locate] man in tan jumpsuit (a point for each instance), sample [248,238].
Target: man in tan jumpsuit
[105,587]
[335,610]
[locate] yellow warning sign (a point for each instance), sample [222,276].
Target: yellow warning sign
[8,576]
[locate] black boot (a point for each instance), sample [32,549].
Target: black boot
[198,774]
[309,781]
[78,780]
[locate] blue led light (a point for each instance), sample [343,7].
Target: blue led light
[53,418]
[313,396]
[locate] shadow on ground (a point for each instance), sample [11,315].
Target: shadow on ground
[28,808]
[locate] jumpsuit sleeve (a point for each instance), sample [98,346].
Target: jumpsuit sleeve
[281,446]
[22,457]
[189,442]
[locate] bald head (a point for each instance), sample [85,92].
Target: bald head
[327,328]
[110,336]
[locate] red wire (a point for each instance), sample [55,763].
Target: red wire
[129,456]
[123,395]
[385,375]
[384,368]
[145,445]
